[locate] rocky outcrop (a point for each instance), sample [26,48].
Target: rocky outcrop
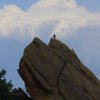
[19,94]
[54,72]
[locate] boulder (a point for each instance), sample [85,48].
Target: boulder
[54,72]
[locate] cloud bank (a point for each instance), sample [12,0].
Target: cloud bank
[46,17]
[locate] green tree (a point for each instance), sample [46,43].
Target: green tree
[5,87]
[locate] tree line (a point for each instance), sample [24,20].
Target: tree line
[5,87]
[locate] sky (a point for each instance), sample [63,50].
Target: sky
[75,22]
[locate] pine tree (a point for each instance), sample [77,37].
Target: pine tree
[5,87]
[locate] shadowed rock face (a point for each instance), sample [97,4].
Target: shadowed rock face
[54,72]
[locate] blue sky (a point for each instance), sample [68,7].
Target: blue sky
[91,5]
[23,4]
[76,23]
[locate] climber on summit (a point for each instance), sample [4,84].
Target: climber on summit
[54,36]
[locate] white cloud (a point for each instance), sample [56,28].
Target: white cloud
[62,17]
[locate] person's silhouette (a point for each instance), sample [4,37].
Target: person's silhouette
[54,36]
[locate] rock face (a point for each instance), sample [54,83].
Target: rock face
[54,72]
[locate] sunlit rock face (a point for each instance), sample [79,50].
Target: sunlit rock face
[54,72]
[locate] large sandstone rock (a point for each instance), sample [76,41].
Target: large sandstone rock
[54,72]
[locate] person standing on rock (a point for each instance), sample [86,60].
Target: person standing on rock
[54,36]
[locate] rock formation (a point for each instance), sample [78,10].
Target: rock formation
[54,72]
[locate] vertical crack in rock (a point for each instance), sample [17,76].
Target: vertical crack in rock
[60,71]
[59,76]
